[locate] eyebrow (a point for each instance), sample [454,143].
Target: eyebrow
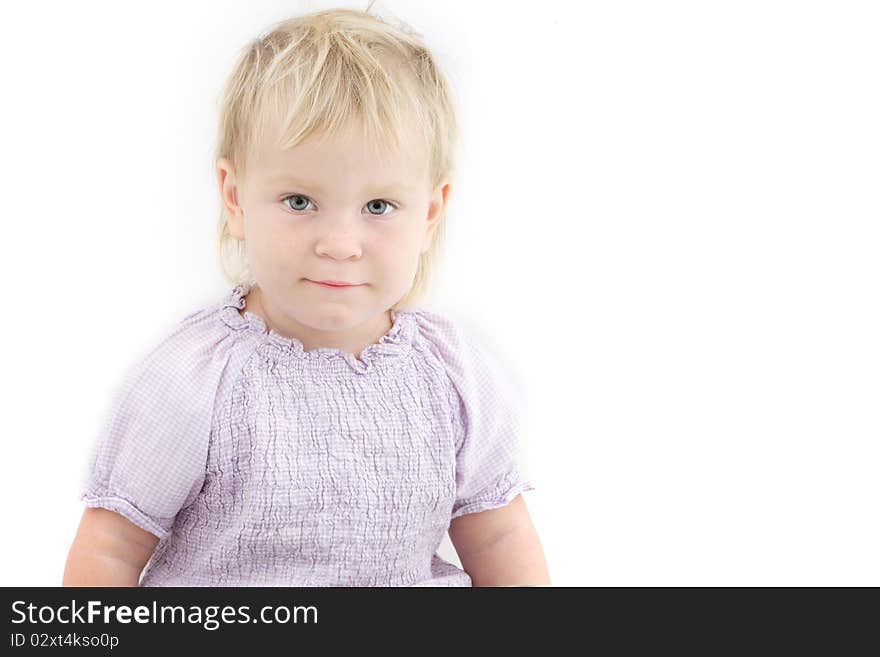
[287,180]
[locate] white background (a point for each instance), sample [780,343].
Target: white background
[666,222]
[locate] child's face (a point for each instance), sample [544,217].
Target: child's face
[325,210]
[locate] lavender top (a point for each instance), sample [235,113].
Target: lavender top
[257,463]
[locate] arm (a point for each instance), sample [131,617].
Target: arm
[500,547]
[109,550]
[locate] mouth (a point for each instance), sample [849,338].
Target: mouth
[334,284]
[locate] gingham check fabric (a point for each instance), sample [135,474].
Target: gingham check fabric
[257,463]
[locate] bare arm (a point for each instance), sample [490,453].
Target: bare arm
[109,550]
[500,547]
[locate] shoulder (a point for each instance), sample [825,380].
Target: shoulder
[440,331]
[199,341]
[488,447]
[187,363]
[149,459]
[444,338]
[451,335]
[463,349]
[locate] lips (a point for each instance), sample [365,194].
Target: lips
[334,283]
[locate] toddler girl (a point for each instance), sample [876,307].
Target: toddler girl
[314,427]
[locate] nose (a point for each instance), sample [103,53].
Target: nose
[338,238]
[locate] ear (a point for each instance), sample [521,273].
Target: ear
[229,196]
[436,211]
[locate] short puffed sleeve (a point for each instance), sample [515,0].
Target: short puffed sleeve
[149,461]
[490,469]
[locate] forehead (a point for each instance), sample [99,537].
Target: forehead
[346,153]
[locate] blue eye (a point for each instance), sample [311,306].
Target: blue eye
[300,203]
[298,197]
[378,203]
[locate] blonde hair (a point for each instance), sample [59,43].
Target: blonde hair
[318,71]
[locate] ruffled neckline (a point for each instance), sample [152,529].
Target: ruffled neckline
[397,342]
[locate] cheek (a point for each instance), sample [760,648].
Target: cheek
[273,234]
[397,250]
